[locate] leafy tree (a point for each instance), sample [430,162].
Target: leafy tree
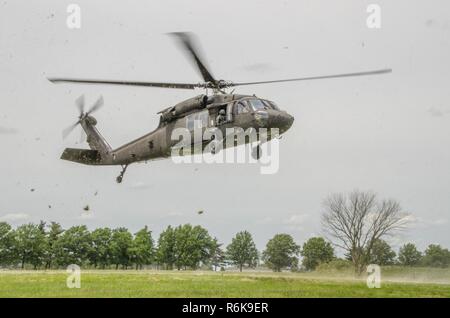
[218,255]
[73,246]
[193,245]
[408,255]
[121,245]
[142,249]
[316,251]
[382,253]
[242,250]
[100,253]
[29,244]
[6,244]
[52,235]
[165,254]
[281,251]
[436,256]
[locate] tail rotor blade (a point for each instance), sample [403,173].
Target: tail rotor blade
[96,106]
[80,104]
[69,129]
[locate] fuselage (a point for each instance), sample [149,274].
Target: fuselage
[222,112]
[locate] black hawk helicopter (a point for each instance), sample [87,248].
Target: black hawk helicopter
[221,110]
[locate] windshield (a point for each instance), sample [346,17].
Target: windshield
[271,104]
[257,104]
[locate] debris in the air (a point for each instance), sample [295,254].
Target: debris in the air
[86,208]
[32,189]
[49,206]
[200,212]
[96,192]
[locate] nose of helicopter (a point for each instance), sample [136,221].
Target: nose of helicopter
[285,122]
[275,119]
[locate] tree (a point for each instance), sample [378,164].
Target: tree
[382,253]
[193,245]
[218,255]
[242,250]
[316,251]
[142,248]
[121,244]
[6,244]
[281,251]
[100,253]
[358,220]
[52,235]
[29,244]
[165,254]
[73,246]
[436,256]
[408,255]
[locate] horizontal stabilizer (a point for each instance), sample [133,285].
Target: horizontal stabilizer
[84,156]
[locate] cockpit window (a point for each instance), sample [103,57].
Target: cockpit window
[258,104]
[271,104]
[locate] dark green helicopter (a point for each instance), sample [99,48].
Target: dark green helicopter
[221,110]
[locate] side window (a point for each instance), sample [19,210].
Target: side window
[190,122]
[204,118]
[230,108]
[241,107]
[197,120]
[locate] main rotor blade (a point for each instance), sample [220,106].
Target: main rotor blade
[96,106]
[376,72]
[187,41]
[146,84]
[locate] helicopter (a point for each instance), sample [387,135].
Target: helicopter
[220,110]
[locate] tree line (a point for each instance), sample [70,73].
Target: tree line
[49,246]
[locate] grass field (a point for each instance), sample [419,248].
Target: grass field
[420,283]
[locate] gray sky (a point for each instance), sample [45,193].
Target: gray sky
[389,134]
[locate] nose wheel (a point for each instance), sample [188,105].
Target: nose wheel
[120,176]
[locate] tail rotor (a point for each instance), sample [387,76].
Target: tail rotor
[80,103]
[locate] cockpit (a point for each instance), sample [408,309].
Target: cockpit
[254,104]
[260,113]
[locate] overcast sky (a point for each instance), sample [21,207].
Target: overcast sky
[389,134]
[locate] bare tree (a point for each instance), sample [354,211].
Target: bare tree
[357,220]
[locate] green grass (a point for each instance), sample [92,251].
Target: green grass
[209,284]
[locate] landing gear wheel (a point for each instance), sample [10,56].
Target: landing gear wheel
[120,176]
[257,152]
